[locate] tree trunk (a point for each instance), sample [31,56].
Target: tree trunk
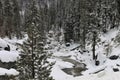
[94,44]
[33,69]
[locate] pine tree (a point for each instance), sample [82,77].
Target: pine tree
[1,18]
[16,20]
[33,63]
[8,14]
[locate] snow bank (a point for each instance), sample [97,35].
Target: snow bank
[6,56]
[101,76]
[63,64]
[9,56]
[11,71]
[109,35]
[58,74]
[3,43]
[15,40]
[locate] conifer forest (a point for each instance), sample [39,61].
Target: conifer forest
[59,39]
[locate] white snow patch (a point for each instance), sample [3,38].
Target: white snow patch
[3,43]
[11,71]
[59,74]
[63,64]
[6,56]
[109,35]
[101,76]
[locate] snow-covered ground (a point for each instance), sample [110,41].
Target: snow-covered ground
[107,74]
[104,75]
[105,67]
[65,58]
[100,76]
[11,71]
[6,56]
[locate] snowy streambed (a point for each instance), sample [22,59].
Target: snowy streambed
[106,71]
[104,75]
[103,71]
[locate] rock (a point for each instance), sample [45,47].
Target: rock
[117,65]
[74,71]
[115,69]
[67,44]
[97,63]
[85,51]
[113,57]
[7,48]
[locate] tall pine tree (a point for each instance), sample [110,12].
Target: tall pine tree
[33,63]
[8,14]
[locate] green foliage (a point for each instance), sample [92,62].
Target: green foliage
[33,63]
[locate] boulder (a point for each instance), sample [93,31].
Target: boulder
[97,63]
[76,71]
[7,48]
[115,69]
[67,44]
[113,57]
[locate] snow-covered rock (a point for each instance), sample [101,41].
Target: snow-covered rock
[8,72]
[6,56]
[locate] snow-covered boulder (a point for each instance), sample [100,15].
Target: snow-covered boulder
[8,59]
[6,56]
[11,71]
[8,74]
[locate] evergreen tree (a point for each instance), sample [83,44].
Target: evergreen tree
[1,18]
[8,18]
[16,20]
[33,63]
